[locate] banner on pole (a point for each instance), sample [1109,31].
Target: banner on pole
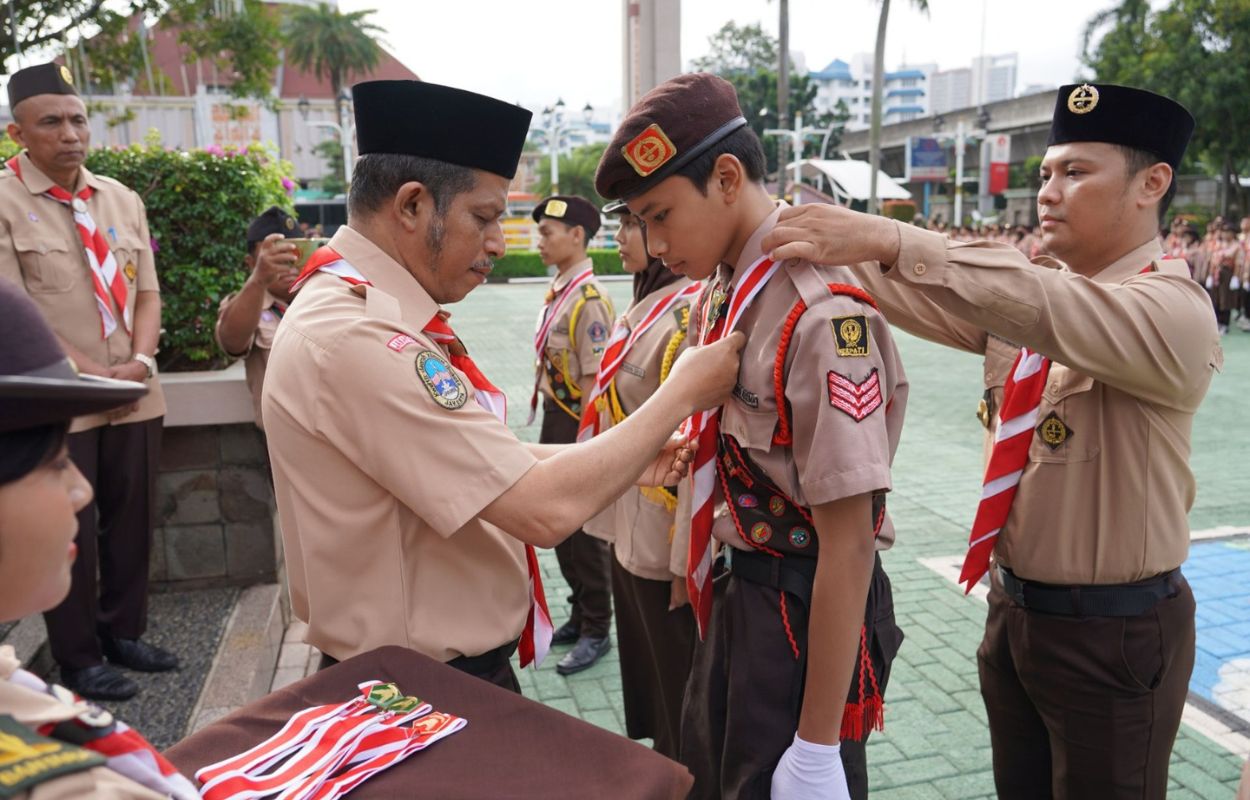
[926,160]
[1000,159]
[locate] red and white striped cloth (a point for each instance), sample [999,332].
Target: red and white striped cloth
[619,345]
[704,428]
[107,280]
[536,637]
[1022,397]
[551,312]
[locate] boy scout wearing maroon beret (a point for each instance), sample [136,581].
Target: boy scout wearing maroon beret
[573,325]
[1094,367]
[106,310]
[802,464]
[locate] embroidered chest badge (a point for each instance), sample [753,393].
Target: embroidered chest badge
[443,384]
[1053,431]
[856,399]
[850,334]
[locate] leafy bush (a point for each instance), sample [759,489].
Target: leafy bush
[199,204]
[528,264]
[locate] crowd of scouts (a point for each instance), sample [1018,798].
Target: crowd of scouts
[714,462]
[1220,262]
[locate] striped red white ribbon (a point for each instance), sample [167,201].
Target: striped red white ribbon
[550,313]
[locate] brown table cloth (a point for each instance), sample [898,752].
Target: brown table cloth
[511,748]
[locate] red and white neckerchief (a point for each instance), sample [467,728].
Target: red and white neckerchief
[551,312]
[125,750]
[619,345]
[1017,420]
[107,279]
[536,637]
[704,427]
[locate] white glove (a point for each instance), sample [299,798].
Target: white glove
[810,771]
[1234,284]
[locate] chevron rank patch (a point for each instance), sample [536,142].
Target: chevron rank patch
[855,399]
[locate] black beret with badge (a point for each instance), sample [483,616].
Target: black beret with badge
[1123,115]
[441,123]
[570,209]
[38,384]
[670,126]
[40,79]
[272,220]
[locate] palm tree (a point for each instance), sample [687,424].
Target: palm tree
[878,79]
[332,45]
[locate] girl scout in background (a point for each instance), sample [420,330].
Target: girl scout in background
[654,633]
[52,743]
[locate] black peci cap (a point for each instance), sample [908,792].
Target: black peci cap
[272,220]
[1105,112]
[416,118]
[38,384]
[40,79]
[570,209]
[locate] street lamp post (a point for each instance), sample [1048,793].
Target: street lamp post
[796,138]
[344,129]
[554,127]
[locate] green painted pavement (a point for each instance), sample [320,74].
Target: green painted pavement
[935,744]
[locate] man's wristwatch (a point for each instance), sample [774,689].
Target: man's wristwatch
[147,361]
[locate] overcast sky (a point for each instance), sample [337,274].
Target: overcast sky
[534,51]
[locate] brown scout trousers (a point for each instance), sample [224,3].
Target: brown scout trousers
[1085,708]
[746,688]
[115,533]
[585,562]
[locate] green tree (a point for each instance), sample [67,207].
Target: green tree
[577,173]
[332,151]
[1193,51]
[332,45]
[746,56]
[878,78]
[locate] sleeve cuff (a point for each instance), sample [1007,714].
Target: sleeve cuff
[921,256]
[873,478]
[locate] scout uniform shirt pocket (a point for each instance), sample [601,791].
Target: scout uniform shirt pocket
[47,264]
[1069,419]
[753,428]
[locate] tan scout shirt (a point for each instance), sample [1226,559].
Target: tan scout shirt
[577,338]
[639,522]
[833,455]
[34,709]
[256,356]
[378,483]
[40,249]
[1133,357]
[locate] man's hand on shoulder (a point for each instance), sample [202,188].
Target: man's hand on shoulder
[829,234]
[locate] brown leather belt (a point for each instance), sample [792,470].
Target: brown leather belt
[1114,600]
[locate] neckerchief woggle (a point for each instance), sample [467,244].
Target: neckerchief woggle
[536,637]
[550,313]
[704,427]
[619,345]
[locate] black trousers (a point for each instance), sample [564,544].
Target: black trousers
[585,562]
[493,666]
[1085,708]
[745,693]
[114,539]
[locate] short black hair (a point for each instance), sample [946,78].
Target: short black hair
[742,144]
[1136,159]
[24,451]
[378,176]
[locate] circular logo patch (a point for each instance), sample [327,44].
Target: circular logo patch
[776,506]
[1083,99]
[800,537]
[851,331]
[66,75]
[748,501]
[443,384]
[761,532]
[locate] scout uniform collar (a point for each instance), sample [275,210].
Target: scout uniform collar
[1131,263]
[36,182]
[562,278]
[416,305]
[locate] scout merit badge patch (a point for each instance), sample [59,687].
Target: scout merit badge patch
[444,385]
[855,399]
[28,759]
[851,335]
[1053,431]
[649,150]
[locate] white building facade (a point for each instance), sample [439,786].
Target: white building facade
[906,91]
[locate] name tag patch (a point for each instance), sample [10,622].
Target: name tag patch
[850,335]
[28,759]
[637,372]
[443,384]
[856,399]
[399,341]
[746,397]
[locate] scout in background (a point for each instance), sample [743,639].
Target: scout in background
[247,319]
[79,244]
[53,743]
[1095,365]
[796,614]
[654,633]
[572,332]
[1227,262]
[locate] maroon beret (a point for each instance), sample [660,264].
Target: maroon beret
[570,209]
[673,124]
